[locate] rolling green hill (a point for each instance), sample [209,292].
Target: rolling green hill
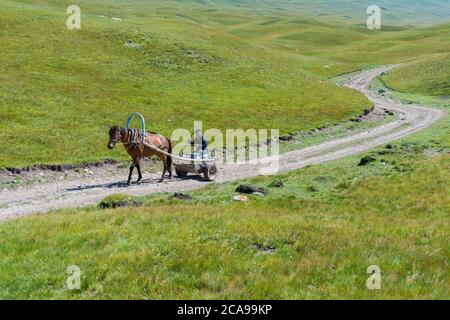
[393,11]
[430,76]
[176,62]
[61,89]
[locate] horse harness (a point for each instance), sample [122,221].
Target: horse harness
[134,139]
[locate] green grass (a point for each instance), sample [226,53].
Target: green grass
[430,76]
[312,239]
[230,67]
[61,89]
[323,246]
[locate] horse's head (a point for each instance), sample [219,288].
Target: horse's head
[114,136]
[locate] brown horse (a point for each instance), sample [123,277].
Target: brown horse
[131,140]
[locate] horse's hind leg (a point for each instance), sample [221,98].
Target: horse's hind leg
[163,174]
[133,164]
[169,168]
[164,170]
[138,166]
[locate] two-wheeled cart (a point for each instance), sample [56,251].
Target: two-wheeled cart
[207,168]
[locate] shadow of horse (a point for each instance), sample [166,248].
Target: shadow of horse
[124,185]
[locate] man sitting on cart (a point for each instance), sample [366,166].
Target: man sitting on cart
[200,144]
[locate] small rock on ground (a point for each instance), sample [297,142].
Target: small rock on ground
[181,196]
[240,198]
[259,194]
[248,189]
[276,184]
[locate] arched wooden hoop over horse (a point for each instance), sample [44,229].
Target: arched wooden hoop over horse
[207,166]
[130,118]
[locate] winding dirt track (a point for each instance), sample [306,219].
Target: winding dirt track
[89,190]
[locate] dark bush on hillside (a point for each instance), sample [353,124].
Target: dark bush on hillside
[366,160]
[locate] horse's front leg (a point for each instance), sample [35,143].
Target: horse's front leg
[138,166]
[133,164]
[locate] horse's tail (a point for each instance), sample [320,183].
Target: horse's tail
[169,158]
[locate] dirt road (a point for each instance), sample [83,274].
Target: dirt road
[91,188]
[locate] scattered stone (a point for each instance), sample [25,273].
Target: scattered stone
[181,196]
[60,167]
[381,91]
[248,189]
[287,138]
[265,249]
[366,160]
[366,112]
[14,170]
[276,184]
[259,194]
[240,198]
[131,44]
[119,201]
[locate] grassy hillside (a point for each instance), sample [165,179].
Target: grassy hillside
[230,67]
[61,90]
[312,239]
[430,76]
[329,49]
[393,11]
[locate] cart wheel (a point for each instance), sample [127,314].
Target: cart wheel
[181,173]
[210,173]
